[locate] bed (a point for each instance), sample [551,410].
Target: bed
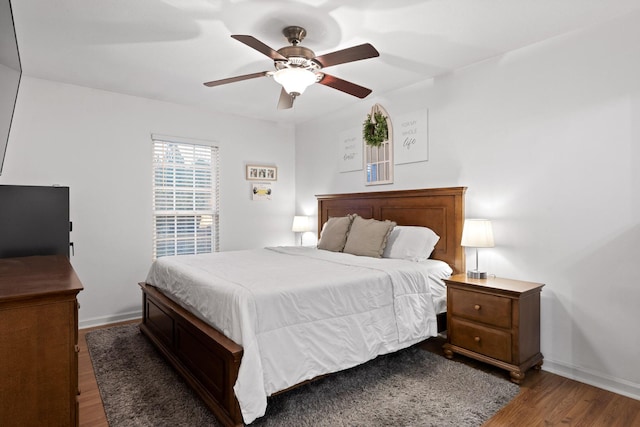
[210,361]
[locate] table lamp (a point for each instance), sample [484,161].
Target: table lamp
[301,225]
[477,233]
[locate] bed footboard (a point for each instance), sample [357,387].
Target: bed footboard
[204,357]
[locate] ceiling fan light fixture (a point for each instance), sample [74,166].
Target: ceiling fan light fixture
[295,80]
[297,67]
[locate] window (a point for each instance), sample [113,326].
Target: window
[379,159]
[185,198]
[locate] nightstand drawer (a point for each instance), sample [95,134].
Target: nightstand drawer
[480,339]
[490,309]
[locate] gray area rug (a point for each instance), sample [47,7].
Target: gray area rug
[410,388]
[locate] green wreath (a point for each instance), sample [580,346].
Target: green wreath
[375,131]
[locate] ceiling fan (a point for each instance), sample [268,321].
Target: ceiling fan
[297,67]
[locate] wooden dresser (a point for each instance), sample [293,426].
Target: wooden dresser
[496,321]
[38,342]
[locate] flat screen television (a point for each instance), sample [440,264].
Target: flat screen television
[34,220]
[10,74]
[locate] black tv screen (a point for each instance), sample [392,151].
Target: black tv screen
[34,220]
[10,73]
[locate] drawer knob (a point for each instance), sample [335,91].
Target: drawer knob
[477,306]
[476,339]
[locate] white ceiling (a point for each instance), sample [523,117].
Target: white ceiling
[166,49]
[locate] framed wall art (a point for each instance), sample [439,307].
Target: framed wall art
[350,158]
[262,173]
[412,137]
[261,191]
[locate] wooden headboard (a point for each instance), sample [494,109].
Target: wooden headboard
[440,209]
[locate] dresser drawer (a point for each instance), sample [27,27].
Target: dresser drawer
[481,339]
[489,309]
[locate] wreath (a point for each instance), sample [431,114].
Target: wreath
[375,131]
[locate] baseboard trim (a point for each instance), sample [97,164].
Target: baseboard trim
[596,379]
[106,320]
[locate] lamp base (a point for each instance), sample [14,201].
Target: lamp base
[475,274]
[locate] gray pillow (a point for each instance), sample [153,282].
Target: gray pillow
[368,237]
[334,233]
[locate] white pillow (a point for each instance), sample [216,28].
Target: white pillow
[410,243]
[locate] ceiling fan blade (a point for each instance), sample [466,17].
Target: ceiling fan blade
[345,86]
[285,101]
[355,53]
[259,46]
[235,79]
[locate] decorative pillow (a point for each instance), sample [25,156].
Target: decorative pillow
[368,237]
[410,243]
[334,233]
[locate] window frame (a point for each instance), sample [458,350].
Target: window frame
[188,228]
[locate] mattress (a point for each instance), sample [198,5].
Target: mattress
[300,312]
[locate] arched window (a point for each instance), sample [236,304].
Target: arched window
[379,158]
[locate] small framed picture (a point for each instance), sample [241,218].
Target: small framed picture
[261,191]
[262,173]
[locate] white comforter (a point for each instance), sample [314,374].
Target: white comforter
[300,312]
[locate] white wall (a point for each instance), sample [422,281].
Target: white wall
[98,143]
[547,139]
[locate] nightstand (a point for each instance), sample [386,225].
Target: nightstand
[496,321]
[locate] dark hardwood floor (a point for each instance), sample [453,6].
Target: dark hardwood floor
[545,399]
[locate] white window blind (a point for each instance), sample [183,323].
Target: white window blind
[185,198]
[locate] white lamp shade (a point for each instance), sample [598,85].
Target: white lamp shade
[301,224]
[295,80]
[477,233]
